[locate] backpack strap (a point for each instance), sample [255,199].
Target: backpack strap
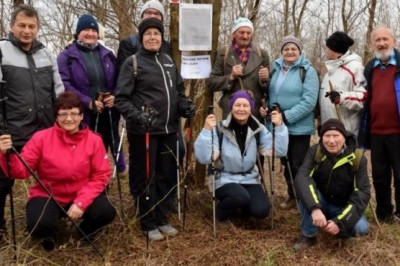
[318,158]
[359,153]
[302,74]
[259,51]
[134,66]
[226,56]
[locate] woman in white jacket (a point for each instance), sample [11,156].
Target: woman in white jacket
[342,93]
[238,183]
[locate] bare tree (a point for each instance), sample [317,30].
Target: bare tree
[371,12]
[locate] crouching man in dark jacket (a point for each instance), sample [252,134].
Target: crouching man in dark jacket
[333,187]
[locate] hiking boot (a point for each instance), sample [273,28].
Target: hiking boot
[288,204]
[168,230]
[48,243]
[154,235]
[304,242]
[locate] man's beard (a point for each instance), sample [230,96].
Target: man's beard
[383,56]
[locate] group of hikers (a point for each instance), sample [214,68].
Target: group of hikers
[60,117]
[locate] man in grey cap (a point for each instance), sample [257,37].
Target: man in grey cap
[240,63]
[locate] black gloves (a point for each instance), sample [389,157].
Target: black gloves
[147,118]
[334,96]
[144,119]
[186,108]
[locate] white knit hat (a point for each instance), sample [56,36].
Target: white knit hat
[241,22]
[154,4]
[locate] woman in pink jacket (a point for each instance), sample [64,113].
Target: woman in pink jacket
[72,163]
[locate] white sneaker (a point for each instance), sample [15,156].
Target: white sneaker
[168,230]
[153,235]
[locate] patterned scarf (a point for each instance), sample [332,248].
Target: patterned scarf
[243,56]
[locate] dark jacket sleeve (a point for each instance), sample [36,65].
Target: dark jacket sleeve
[125,88]
[218,80]
[125,50]
[305,186]
[358,201]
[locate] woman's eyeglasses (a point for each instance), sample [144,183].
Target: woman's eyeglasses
[65,115]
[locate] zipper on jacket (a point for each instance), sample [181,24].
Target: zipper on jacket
[167,92]
[170,80]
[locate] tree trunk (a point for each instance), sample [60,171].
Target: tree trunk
[18,2]
[205,97]
[367,50]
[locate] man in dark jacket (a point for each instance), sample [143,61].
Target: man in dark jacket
[380,122]
[241,63]
[32,82]
[333,193]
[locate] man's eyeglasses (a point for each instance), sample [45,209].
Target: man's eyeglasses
[65,115]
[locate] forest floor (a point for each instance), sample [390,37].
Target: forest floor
[237,242]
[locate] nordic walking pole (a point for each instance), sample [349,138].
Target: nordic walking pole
[116,159]
[336,107]
[292,181]
[187,165]
[119,146]
[147,109]
[271,173]
[3,99]
[178,181]
[212,172]
[37,179]
[239,78]
[275,106]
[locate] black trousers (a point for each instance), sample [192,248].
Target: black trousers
[385,161]
[151,188]
[42,215]
[298,147]
[251,199]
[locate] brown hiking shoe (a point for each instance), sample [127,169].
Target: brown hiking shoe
[305,242]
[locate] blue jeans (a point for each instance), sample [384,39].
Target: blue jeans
[330,211]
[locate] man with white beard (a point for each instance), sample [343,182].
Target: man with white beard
[380,121]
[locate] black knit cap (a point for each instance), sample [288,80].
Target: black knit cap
[339,42]
[333,124]
[150,23]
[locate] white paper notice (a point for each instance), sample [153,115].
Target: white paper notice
[195,27]
[195,67]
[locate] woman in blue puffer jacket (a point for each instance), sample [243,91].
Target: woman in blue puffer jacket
[238,183]
[294,87]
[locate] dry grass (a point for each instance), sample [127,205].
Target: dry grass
[237,242]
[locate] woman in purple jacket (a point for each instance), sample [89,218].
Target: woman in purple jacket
[88,69]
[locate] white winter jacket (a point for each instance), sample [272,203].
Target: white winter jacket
[346,75]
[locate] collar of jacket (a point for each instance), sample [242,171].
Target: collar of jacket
[74,138]
[36,45]
[143,51]
[86,48]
